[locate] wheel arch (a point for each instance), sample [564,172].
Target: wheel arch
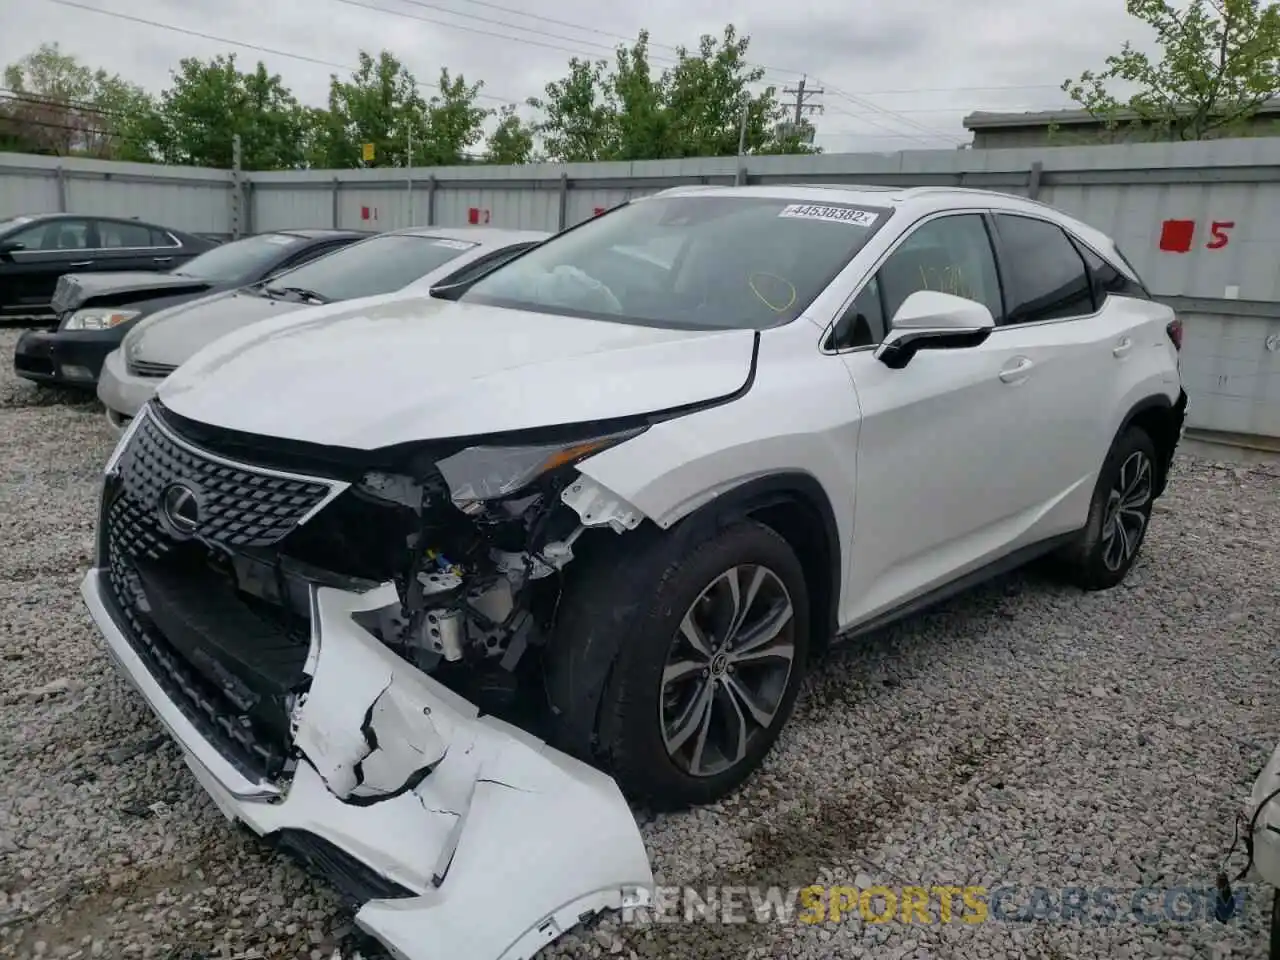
[795,506]
[1161,419]
[791,503]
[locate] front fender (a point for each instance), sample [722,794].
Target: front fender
[795,430]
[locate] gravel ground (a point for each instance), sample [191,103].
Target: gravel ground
[1023,734]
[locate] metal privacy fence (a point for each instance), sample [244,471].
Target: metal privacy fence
[1200,221]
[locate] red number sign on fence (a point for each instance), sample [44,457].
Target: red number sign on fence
[477,215]
[1219,233]
[1178,236]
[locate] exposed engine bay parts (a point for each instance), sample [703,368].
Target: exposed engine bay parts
[284,626]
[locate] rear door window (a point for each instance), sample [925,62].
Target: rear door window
[1044,274]
[114,234]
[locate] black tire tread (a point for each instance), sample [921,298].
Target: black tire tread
[629,590]
[1080,559]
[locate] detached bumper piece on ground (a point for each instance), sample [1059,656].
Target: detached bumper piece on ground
[303,725]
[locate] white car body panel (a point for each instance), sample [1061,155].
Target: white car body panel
[1266,832]
[171,337]
[484,370]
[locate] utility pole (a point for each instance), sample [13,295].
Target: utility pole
[238,217]
[408,172]
[802,106]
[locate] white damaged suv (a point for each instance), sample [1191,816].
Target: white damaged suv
[419,586]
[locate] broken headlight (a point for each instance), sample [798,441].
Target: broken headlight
[477,474]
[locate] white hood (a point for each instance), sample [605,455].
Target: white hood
[403,369]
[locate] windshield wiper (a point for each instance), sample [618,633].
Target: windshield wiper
[302,293]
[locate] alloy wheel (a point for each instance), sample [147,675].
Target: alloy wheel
[1128,506]
[727,672]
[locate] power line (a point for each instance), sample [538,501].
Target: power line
[868,105]
[240,43]
[1014,86]
[896,114]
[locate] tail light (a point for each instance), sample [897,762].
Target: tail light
[1174,329]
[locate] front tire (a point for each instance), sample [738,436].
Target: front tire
[710,640]
[1119,514]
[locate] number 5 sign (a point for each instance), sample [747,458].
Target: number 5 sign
[1218,231]
[1177,236]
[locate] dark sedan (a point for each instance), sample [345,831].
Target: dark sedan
[95,311]
[35,251]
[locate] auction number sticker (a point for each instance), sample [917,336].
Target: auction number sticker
[813,211]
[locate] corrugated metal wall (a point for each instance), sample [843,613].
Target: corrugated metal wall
[185,198]
[1200,221]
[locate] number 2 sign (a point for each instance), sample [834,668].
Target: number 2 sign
[1178,236]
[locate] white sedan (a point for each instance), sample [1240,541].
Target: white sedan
[397,262]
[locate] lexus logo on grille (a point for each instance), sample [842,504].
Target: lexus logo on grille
[180,509]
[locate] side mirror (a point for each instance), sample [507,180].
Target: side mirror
[9,246]
[928,320]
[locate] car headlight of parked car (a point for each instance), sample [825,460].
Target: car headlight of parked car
[481,473]
[98,319]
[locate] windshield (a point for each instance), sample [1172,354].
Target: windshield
[692,262]
[378,265]
[240,259]
[7,225]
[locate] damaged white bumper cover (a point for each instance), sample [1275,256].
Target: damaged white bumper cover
[504,842]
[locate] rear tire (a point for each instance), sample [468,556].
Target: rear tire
[695,689]
[1119,514]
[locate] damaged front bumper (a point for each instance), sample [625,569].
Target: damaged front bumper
[458,835]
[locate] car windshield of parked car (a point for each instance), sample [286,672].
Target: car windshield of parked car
[240,259]
[11,223]
[375,266]
[688,262]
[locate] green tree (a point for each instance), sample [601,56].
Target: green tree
[580,115]
[1219,62]
[623,111]
[58,105]
[706,94]
[454,123]
[511,141]
[379,104]
[382,104]
[209,103]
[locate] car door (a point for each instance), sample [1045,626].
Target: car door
[932,500]
[1062,336]
[129,245]
[49,249]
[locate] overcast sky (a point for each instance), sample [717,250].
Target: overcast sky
[898,75]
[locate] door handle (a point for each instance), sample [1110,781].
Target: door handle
[1122,347]
[81,263]
[1017,371]
[163,259]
